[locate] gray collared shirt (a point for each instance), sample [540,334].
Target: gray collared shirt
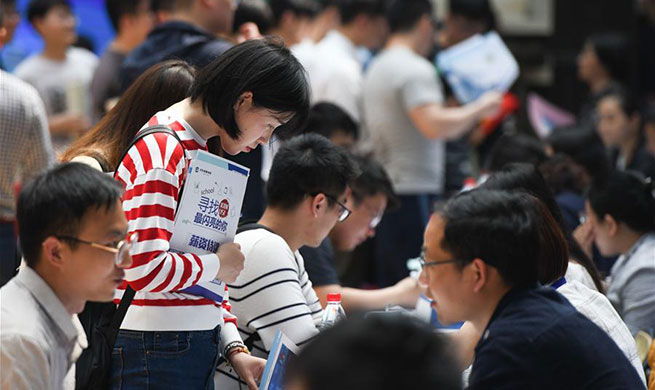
[39,339]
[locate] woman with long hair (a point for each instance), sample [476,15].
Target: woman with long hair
[161,86]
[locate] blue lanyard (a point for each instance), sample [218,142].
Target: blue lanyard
[558,283]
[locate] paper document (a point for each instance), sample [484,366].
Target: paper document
[209,211]
[281,352]
[477,65]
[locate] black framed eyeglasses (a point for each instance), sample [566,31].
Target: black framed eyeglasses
[344,212]
[121,251]
[424,263]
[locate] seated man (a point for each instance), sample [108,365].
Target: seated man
[72,231]
[371,192]
[306,193]
[481,264]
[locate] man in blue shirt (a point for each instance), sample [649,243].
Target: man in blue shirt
[480,262]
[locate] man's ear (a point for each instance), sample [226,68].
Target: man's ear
[318,203]
[612,225]
[52,251]
[479,272]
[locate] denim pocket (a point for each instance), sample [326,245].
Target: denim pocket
[170,344]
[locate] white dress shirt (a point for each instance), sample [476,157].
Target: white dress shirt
[39,339]
[336,74]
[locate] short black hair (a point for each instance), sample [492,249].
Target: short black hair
[328,118]
[382,353]
[625,98]
[262,66]
[584,146]
[475,10]
[509,231]
[527,178]
[627,197]
[55,202]
[403,15]
[39,8]
[613,52]
[372,180]
[308,164]
[117,8]
[166,5]
[254,11]
[307,8]
[515,148]
[350,9]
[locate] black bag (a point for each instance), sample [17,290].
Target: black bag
[102,321]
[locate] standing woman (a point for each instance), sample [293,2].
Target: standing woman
[171,339]
[161,86]
[619,126]
[621,212]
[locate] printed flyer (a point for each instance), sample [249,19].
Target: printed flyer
[208,212]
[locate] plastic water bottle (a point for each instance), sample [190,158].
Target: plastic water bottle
[333,311]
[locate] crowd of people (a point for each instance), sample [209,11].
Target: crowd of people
[544,257]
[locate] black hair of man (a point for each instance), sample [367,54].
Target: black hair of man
[584,146]
[56,202]
[2,17]
[254,11]
[512,148]
[262,66]
[372,180]
[327,118]
[38,9]
[162,5]
[382,353]
[509,231]
[627,197]
[527,178]
[350,9]
[117,8]
[306,8]
[475,10]
[403,15]
[308,164]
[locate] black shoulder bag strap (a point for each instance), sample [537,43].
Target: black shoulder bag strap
[128,296]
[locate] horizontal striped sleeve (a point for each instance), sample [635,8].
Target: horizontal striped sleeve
[267,296]
[149,204]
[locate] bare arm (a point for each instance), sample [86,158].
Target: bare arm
[404,293]
[435,121]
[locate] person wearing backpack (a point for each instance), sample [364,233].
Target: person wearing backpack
[171,339]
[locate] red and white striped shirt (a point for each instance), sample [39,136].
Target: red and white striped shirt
[152,174]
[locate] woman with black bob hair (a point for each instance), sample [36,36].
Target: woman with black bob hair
[621,212]
[241,98]
[261,76]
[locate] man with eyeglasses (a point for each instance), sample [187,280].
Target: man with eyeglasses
[73,235]
[306,194]
[371,193]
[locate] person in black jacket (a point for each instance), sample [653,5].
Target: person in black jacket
[189,35]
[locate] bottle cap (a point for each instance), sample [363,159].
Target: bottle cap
[334,297]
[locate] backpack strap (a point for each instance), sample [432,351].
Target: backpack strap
[128,295]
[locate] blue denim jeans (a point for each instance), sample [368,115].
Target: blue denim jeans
[8,252]
[165,360]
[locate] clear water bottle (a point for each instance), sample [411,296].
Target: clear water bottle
[333,311]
